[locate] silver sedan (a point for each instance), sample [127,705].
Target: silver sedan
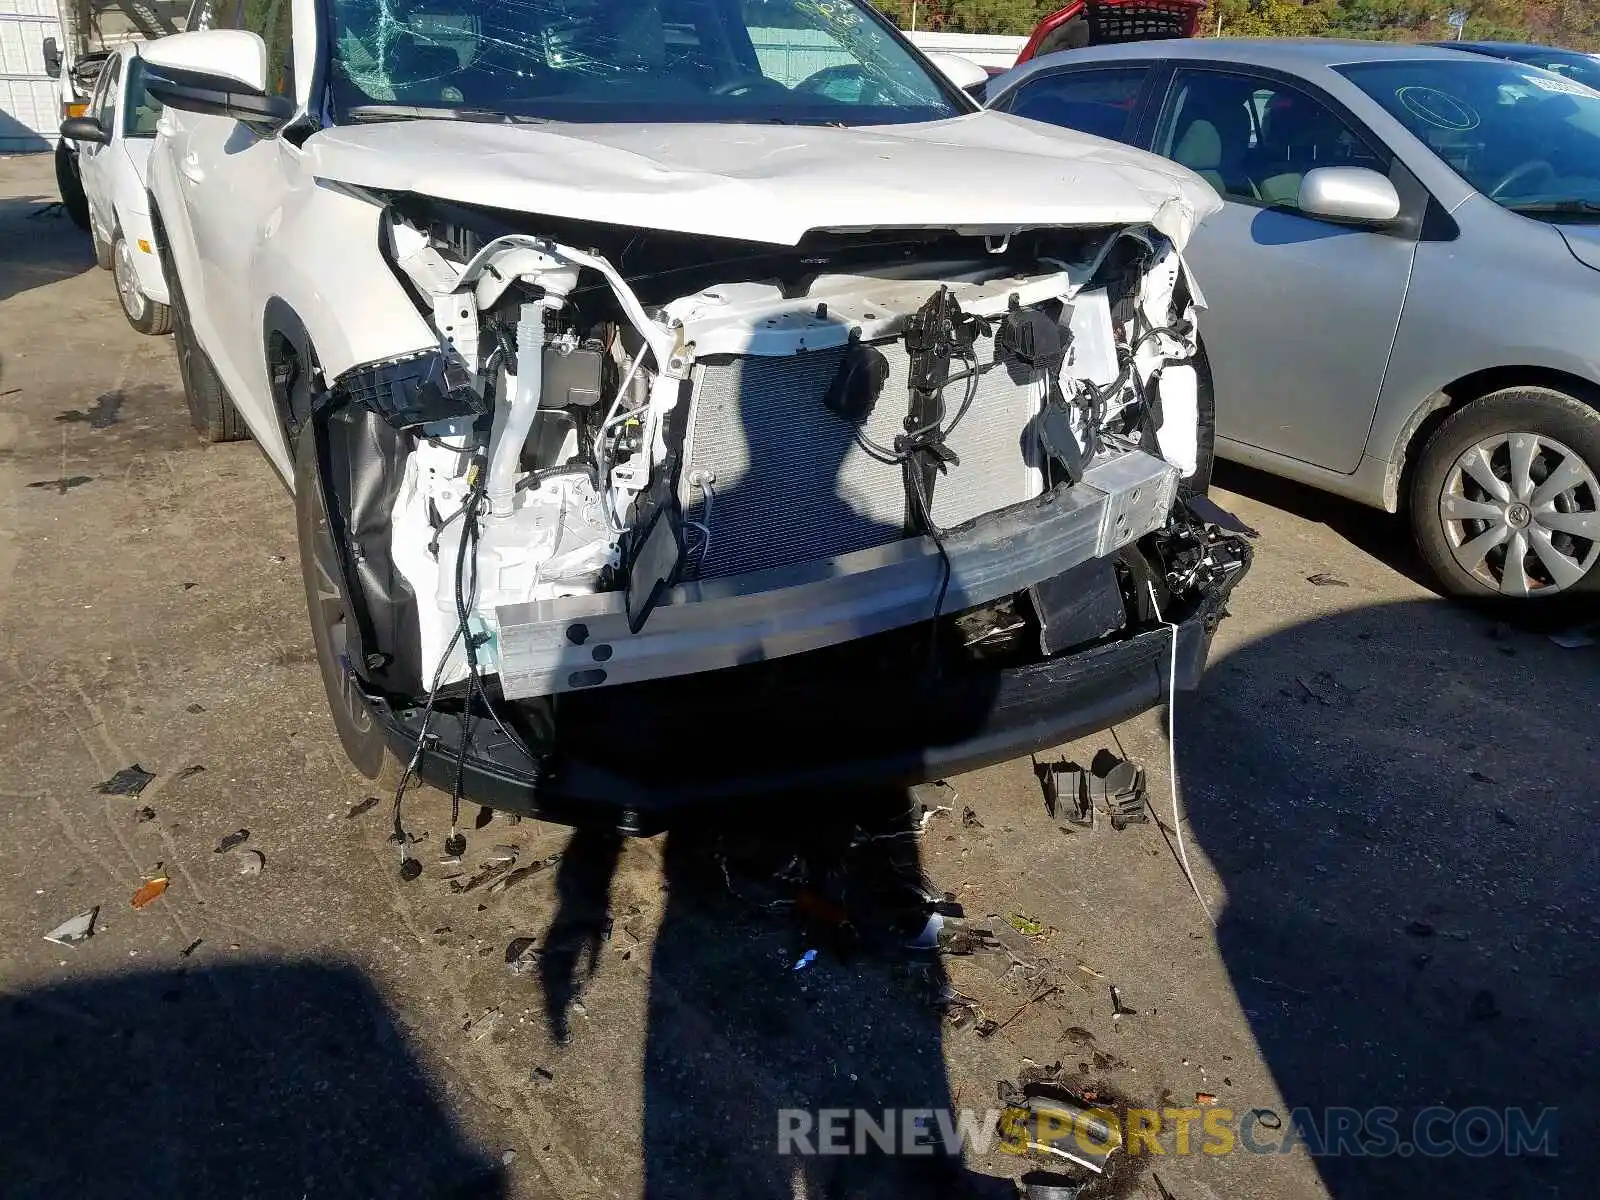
[1404,282]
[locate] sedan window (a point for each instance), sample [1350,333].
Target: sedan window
[143,109]
[1254,139]
[1527,139]
[1101,102]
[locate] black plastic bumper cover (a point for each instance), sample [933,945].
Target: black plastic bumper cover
[731,739]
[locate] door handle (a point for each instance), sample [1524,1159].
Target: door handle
[190,166]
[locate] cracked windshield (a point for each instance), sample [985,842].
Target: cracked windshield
[787,61]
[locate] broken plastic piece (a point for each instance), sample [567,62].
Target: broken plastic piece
[520,954]
[1066,1128]
[1045,1185]
[151,889]
[188,773]
[969,819]
[1066,792]
[190,948]
[986,1027]
[1212,513]
[1205,1098]
[236,838]
[361,806]
[147,813]
[251,862]
[806,959]
[79,929]
[129,781]
[1118,1008]
[1323,579]
[1119,785]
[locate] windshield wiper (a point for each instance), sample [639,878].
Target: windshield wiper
[1557,208]
[415,112]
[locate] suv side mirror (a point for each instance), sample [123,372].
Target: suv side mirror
[222,72]
[962,72]
[52,58]
[1357,195]
[84,129]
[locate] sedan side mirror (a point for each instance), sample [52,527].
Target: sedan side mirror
[52,58]
[84,129]
[1358,195]
[222,72]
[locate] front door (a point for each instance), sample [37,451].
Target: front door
[1303,311]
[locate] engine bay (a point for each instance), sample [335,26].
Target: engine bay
[637,456]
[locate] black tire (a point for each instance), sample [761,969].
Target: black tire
[1547,414]
[144,314]
[359,732]
[69,185]
[211,412]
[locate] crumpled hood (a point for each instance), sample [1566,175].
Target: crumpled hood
[1584,242]
[775,183]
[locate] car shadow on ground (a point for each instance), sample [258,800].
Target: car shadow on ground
[1404,836]
[42,245]
[263,1079]
[1384,536]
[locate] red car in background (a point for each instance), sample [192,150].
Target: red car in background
[1104,22]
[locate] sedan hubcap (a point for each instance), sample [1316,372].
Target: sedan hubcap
[128,281]
[1521,513]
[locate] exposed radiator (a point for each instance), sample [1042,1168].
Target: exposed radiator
[790,481]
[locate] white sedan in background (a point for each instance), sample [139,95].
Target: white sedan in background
[114,140]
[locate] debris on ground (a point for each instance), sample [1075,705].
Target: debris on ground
[1118,1008]
[251,862]
[1205,1098]
[515,877]
[499,861]
[1577,638]
[1323,579]
[986,1027]
[188,773]
[1505,818]
[146,814]
[63,485]
[969,819]
[1048,1185]
[361,806]
[1072,794]
[1484,1007]
[520,954]
[129,781]
[79,929]
[191,948]
[195,708]
[1267,1118]
[1420,929]
[150,890]
[483,1025]
[1061,1125]
[1480,777]
[805,960]
[237,838]
[1024,924]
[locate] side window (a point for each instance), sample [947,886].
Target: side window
[142,110]
[1254,139]
[274,21]
[1101,102]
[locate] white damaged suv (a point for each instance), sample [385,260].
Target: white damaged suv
[690,398]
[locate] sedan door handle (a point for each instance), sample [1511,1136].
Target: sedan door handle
[190,166]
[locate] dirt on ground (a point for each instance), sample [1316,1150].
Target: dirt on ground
[1389,810]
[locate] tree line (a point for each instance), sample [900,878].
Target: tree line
[1571,23]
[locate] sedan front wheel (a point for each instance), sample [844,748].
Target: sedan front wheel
[1505,502]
